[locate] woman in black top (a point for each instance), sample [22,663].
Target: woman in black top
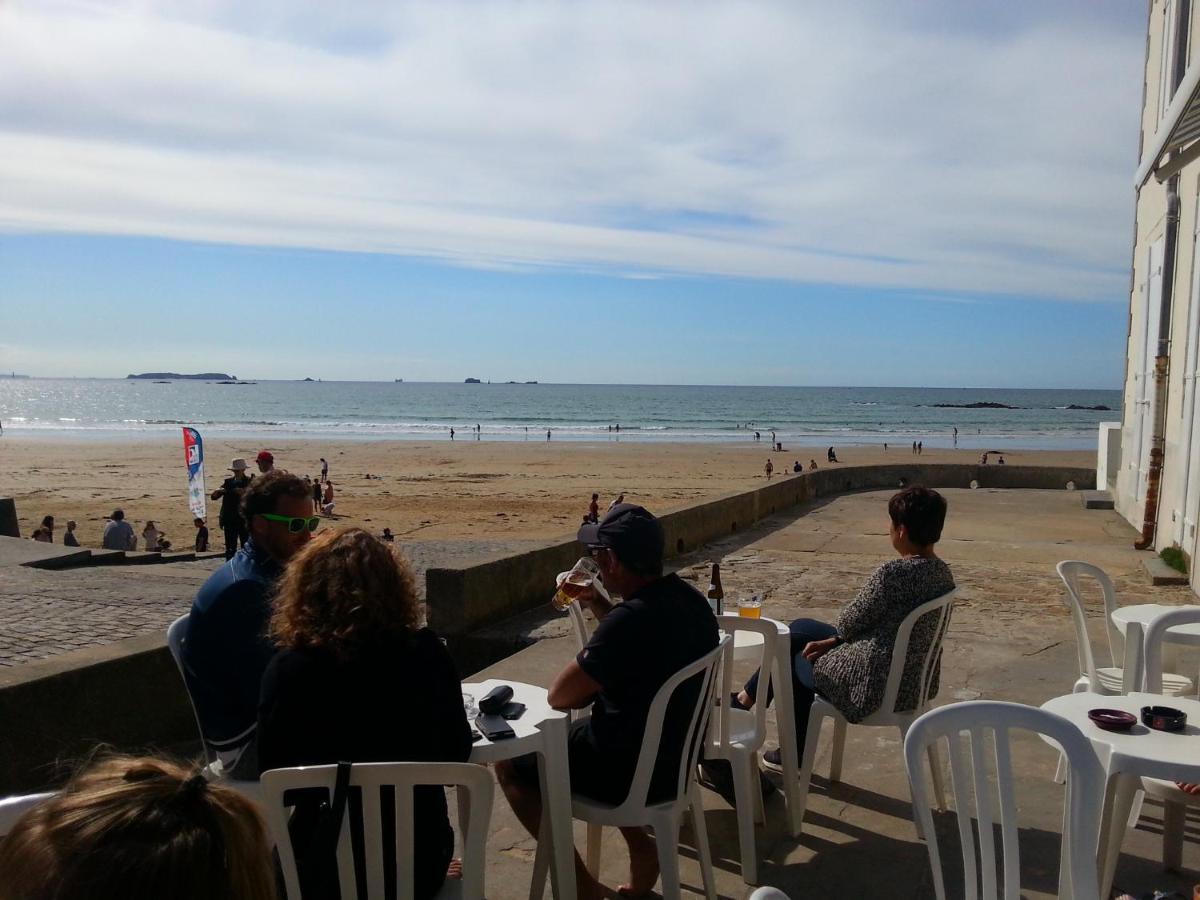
[357,679]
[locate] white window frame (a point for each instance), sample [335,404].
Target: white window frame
[1167,57]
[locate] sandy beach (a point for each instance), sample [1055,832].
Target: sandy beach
[464,489]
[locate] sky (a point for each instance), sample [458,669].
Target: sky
[877,193]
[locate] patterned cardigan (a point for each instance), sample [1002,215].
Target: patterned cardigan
[853,675]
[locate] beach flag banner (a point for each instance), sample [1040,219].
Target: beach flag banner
[193,454]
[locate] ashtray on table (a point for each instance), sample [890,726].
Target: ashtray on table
[1164,718]
[1112,719]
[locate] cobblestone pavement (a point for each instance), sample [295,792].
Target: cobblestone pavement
[47,612]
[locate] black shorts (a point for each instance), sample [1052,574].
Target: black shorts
[593,774]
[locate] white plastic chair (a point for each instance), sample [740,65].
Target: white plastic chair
[665,816]
[12,808]
[1175,802]
[474,788]
[737,735]
[768,893]
[887,714]
[967,727]
[1102,679]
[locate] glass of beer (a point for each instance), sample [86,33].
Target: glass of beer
[750,607]
[583,575]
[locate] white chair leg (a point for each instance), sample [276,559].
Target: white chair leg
[839,746]
[936,773]
[666,839]
[703,851]
[1135,811]
[1060,774]
[744,792]
[760,812]
[1174,820]
[813,735]
[595,838]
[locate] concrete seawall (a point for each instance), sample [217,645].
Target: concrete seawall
[462,600]
[129,694]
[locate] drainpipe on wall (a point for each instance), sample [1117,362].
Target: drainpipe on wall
[1162,358]
[1161,365]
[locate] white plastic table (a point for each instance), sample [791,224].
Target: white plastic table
[1139,616]
[541,730]
[748,645]
[1128,756]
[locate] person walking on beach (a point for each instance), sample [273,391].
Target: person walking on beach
[451,434]
[201,545]
[594,509]
[547,434]
[757,436]
[324,469]
[230,519]
[769,468]
[118,534]
[316,497]
[69,539]
[955,437]
[920,447]
[265,461]
[914,448]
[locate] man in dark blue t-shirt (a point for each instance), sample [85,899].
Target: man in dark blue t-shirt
[663,625]
[225,648]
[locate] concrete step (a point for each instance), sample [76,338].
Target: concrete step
[1162,574]
[21,552]
[139,557]
[184,556]
[1096,500]
[106,558]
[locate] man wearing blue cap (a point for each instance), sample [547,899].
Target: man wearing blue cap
[663,625]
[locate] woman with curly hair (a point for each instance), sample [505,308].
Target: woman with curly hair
[128,828]
[358,679]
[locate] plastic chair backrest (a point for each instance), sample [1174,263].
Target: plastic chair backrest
[768,893]
[583,632]
[176,632]
[1152,645]
[1072,572]
[769,629]
[966,727]
[475,780]
[940,608]
[705,670]
[12,808]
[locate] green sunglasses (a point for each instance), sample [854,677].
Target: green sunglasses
[295,524]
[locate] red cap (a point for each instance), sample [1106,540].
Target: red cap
[265,455]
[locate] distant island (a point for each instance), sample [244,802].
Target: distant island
[472,381]
[1100,408]
[987,404]
[203,376]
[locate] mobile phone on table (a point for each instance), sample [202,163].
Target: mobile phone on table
[494,727]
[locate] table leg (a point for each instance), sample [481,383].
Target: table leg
[1131,671]
[785,719]
[556,805]
[1118,799]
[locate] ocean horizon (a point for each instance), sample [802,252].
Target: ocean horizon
[102,409]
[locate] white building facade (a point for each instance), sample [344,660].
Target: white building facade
[1155,481]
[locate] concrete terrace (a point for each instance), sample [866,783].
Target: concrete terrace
[1011,639]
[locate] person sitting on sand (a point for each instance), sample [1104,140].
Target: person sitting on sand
[812,465]
[118,534]
[387,536]
[48,527]
[150,536]
[347,619]
[130,828]
[327,503]
[70,539]
[849,664]
[1000,461]
[620,499]
[41,535]
[663,625]
[830,456]
[201,545]
[797,466]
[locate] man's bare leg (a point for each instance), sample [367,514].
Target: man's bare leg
[526,802]
[643,862]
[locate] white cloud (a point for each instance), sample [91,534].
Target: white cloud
[795,141]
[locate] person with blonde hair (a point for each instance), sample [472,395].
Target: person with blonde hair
[127,828]
[357,678]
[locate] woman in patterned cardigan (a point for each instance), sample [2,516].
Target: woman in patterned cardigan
[848,664]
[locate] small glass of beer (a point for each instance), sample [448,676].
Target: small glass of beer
[583,575]
[750,607]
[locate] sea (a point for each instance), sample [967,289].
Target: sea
[107,409]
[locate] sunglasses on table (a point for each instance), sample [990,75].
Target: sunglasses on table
[295,524]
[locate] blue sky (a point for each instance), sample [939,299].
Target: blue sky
[763,193]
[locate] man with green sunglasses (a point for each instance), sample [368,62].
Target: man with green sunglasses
[225,650]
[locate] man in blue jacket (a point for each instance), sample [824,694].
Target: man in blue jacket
[225,649]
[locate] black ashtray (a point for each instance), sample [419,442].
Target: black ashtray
[1164,718]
